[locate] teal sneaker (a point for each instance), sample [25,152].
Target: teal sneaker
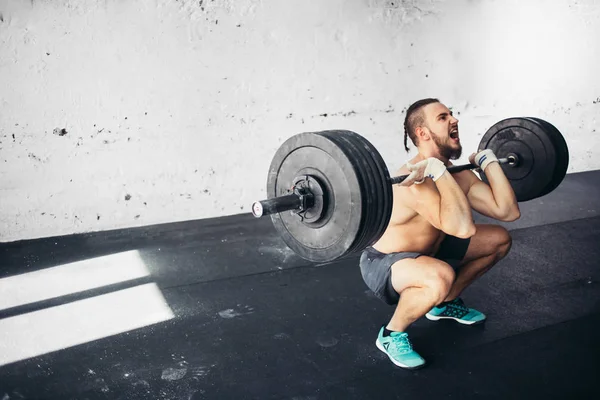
[457,311]
[398,348]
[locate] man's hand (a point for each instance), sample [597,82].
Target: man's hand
[483,158]
[429,168]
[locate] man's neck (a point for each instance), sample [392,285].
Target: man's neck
[427,153]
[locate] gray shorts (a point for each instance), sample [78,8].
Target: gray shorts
[375,267]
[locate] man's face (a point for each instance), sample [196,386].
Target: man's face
[444,130]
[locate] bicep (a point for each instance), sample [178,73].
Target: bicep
[482,199]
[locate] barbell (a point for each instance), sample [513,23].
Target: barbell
[329,193]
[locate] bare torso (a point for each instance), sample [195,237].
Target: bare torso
[409,231]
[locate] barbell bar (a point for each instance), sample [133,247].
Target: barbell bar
[302,198]
[329,193]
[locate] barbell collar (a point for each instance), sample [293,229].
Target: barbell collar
[512,159]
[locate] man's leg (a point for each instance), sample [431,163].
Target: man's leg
[489,245]
[420,283]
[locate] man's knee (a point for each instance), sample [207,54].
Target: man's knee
[503,242]
[439,281]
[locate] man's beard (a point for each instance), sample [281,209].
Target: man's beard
[446,151]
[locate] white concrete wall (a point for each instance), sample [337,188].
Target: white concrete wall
[126,113]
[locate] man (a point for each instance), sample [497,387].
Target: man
[432,250]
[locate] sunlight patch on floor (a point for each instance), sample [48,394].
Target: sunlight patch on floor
[71,278]
[44,331]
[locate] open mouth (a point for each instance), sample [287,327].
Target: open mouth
[454,135]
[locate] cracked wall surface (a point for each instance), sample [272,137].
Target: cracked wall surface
[127,113]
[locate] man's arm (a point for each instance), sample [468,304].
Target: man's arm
[441,202]
[496,200]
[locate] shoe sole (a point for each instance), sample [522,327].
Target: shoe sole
[399,364]
[460,321]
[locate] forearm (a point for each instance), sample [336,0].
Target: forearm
[455,210]
[454,213]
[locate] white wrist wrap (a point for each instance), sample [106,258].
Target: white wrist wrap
[484,158]
[435,168]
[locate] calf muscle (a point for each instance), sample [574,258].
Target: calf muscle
[414,303]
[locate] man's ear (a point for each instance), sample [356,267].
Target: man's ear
[422,133]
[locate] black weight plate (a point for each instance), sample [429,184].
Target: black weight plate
[372,198]
[378,202]
[535,149]
[385,212]
[364,187]
[333,166]
[562,155]
[385,196]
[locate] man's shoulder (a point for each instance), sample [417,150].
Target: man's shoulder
[401,170]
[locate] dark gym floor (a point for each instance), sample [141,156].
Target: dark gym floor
[220,309]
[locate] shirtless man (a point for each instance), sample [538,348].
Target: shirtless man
[432,250]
